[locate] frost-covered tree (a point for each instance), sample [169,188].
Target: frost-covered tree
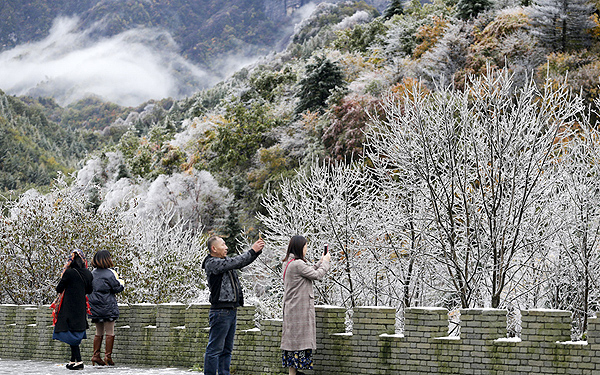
[400,40]
[562,24]
[360,37]
[322,77]
[480,157]
[40,231]
[397,242]
[396,7]
[156,255]
[374,240]
[577,257]
[164,261]
[193,197]
[449,55]
[323,204]
[467,9]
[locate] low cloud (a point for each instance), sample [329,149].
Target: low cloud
[128,68]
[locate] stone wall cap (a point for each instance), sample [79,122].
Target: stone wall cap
[483,309]
[449,338]
[427,308]
[396,335]
[375,307]
[251,330]
[342,334]
[508,339]
[544,311]
[329,307]
[172,304]
[572,342]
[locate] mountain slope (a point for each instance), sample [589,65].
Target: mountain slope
[32,148]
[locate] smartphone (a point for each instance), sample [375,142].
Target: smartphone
[326,249]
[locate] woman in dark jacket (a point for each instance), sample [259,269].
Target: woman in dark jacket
[104,309]
[70,308]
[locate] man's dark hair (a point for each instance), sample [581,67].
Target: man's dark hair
[211,242]
[296,247]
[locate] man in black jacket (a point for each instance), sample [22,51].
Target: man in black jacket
[225,297]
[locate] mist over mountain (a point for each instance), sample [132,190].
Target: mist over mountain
[128,68]
[131,51]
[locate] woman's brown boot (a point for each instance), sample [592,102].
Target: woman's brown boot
[96,360]
[110,341]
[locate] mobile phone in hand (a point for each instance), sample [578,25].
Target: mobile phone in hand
[326,249]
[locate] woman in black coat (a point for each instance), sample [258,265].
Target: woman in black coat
[70,308]
[104,309]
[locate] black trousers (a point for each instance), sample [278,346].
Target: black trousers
[75,353]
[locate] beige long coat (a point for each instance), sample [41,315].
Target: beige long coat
[299,326]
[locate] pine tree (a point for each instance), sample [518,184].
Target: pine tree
[467,9]
[322,77]
[396,7]
[562,24]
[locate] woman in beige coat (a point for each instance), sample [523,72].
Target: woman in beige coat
[299,334]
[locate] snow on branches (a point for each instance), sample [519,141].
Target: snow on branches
[456,202]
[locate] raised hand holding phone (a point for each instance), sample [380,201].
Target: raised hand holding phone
[326,256]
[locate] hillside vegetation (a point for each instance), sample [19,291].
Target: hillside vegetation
[313,100]
[310,101]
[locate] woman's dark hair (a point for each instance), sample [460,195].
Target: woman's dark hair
[296,247]
[77,262]
[102,259]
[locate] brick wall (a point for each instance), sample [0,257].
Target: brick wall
[176,335]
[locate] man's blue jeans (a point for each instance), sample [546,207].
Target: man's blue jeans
[220,341]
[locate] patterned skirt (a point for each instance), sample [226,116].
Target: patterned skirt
[300,359]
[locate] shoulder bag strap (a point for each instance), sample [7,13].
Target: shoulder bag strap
[286,266]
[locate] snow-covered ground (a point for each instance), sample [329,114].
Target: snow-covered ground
[13,367]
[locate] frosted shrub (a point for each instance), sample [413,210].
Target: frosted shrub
[193,197]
